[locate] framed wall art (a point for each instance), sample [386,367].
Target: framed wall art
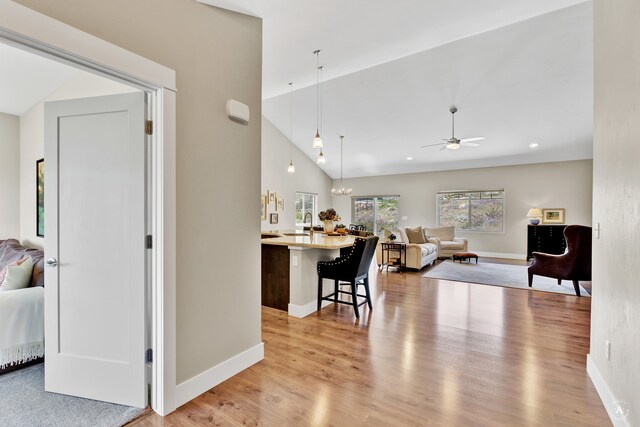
[40,198]
[553,216]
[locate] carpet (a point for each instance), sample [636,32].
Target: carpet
[508,275]
[25,403]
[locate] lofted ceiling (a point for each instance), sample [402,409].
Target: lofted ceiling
[26,78]
[518,71]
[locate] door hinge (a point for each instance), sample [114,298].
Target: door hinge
[148,127]
[149,241]
[148,356]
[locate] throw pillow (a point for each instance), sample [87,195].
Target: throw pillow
[18,275]
[415,235]
[445,234]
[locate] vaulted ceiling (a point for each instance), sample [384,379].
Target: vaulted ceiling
[519,72]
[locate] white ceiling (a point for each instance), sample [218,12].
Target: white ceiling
[26,78]
[519,72]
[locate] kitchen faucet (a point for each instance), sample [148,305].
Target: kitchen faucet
[304,220]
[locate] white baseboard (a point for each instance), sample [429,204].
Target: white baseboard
[301,311]
[194,387]
[608,399]
[501,255]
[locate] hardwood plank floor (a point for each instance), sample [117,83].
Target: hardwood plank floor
[431,352]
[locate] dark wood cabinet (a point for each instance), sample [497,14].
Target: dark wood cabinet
[545,238]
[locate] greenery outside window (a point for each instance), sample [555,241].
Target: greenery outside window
[376,213]
[481,211]
[306,203]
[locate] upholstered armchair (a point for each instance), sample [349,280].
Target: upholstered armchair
[574,264]
[448,243]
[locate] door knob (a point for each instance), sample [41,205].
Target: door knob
[52,262]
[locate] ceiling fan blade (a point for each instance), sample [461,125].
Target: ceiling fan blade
[478,138]
[470,144]
[432,145]
[443,148]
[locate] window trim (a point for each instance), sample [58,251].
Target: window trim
[462,230]
[314,214]
[353,206]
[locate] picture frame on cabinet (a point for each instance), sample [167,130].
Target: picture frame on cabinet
[553,216]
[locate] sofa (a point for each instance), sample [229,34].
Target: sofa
[447,242]
[418,254]
[21,311]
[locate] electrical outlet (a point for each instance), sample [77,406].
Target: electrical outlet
[294,260]
[607,349]
[596,229]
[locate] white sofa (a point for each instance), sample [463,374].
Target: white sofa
[418,255]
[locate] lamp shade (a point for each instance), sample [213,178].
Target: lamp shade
[534,213]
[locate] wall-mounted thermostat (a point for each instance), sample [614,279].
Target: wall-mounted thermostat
[237,111]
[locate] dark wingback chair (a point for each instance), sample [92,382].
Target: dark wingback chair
[574,264]
[352,268]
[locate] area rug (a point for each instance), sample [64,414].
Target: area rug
[511,276]
[25,403]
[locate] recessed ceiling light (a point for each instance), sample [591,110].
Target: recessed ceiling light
[533,145]
[409,158]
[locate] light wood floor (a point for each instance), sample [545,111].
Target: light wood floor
[431,352]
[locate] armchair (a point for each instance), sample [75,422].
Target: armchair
[447,243]
[574,264]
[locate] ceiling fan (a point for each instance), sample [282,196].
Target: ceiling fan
[454,143]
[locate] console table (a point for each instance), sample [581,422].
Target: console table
[545,238]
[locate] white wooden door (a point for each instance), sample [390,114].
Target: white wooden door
[95,248]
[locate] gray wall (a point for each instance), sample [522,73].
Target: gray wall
[545,185]
[308,178]
[10,176]
[217,55]
[615,313]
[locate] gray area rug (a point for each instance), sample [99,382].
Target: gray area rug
[25,403]
[511,276]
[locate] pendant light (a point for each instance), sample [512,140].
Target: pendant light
[321,160]
[291,168]
[317,141]
[341,191]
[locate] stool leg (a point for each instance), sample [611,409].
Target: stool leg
[336,290]
[367,292]
[319,292]
[354,298]
[576,286]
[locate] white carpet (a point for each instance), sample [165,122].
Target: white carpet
[511,276]
[25,403]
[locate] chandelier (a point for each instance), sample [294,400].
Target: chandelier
[341,191]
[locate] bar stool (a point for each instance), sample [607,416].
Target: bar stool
[352,269]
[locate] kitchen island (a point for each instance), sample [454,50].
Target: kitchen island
[289,268]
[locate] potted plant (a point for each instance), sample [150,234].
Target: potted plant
[328,217]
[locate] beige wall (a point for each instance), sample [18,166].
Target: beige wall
[309,178]
[82,85]
[615,314]
[545,185]
[217,55]
[10,176]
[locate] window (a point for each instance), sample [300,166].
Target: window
[306,204]
[376,213]
[472,210]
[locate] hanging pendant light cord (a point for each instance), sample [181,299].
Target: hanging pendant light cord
[341,138]
[317,52]
[320,68]
[291,121]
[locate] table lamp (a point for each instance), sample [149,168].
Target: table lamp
[534,216]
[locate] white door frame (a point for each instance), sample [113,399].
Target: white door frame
[29,30]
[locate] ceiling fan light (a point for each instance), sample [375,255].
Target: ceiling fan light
[453,145]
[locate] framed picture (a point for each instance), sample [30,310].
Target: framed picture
[273,218]
[272,196]
[553,216]
[279,203]
[40,198]
[263,207]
